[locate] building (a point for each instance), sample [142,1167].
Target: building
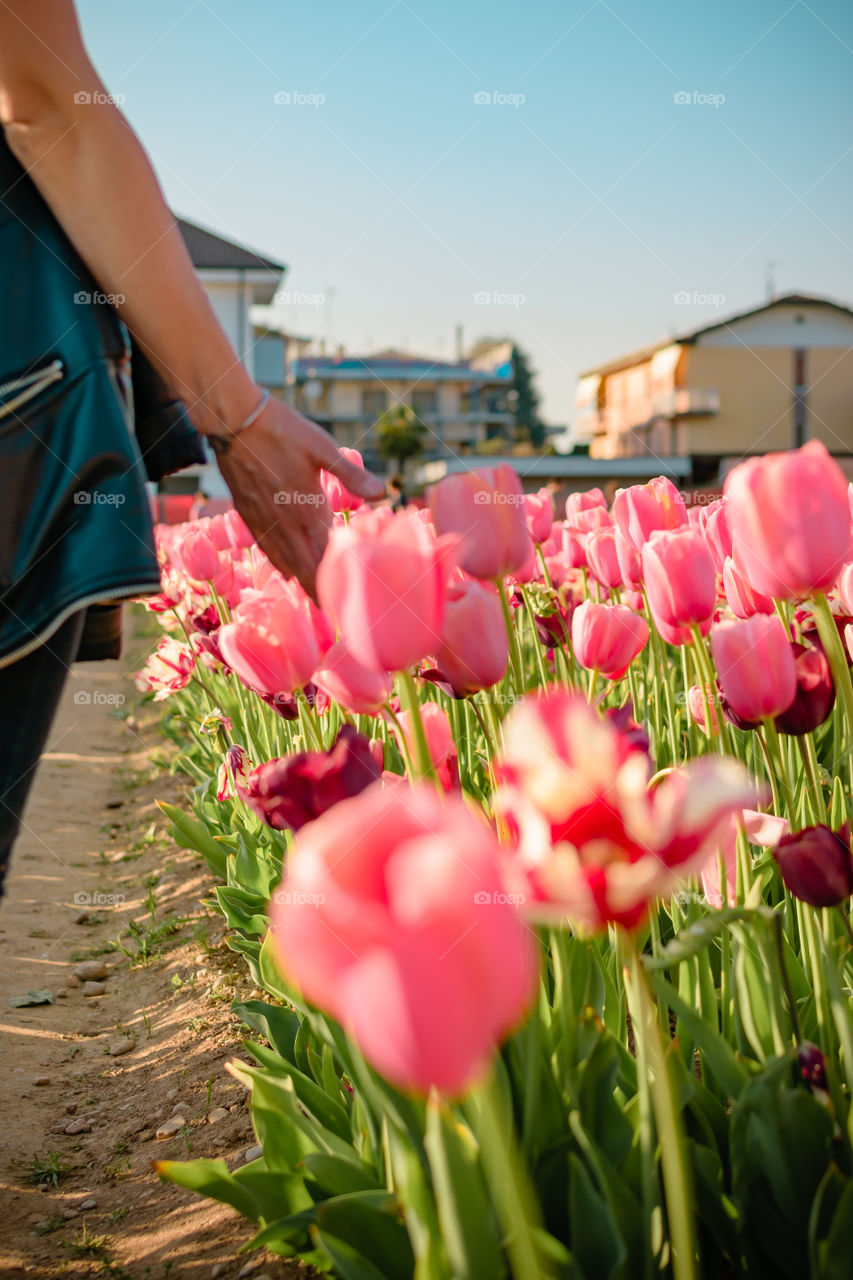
[562,474]
[241,286]
[461,405]
[764,379]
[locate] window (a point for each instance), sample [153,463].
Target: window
[425,401]
[374,402]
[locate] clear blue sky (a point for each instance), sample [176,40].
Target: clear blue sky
[596,200]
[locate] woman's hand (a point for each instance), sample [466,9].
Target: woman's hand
[273,472]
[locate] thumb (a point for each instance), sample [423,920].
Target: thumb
[358,480]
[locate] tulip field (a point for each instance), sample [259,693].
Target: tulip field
[533,832]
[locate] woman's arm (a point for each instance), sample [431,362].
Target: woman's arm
[89,166]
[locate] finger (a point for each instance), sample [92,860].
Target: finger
[357,479]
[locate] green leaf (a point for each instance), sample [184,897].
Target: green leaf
[468,1228]
[253,1190]
[338,1177]
[190,834]
[597,1242]
[277,1025]
[328,1110]
[717,1053]
[348,1262]
[693,940]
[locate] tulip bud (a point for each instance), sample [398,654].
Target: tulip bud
[755,663]
[816,865]
[602,557]
[680,579]
[539,514]
[702,705]
[790,521]
[607,637]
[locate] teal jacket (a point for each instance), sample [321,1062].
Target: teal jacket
[75,523]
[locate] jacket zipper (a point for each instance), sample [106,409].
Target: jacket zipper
[29,385]
[76,606]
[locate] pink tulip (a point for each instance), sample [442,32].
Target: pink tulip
[573,548]
[644,508]
[702,705]
[539,514]
[588,519]
[577,502]
[790,521]
[681,583]
[718,535]
[356,687]
[382,581]
[602,557]
[755,663]
[486,509]
[742,600]
[238,532]
[607,637]
[271,642]
[196,554]
[590,841]
[474,648]
[630,562]
[393,919]
[338,496]
[437,730]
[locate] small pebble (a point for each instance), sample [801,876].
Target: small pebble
[82,1125]
[179,1108]
[252,1154]
[170,1127]
[41,1080]
[218,1113]
[68,1212]
[145,1136]
[71,981]
[91,988]
[91,971]
[89,1204]
[217,1271]
[62,994]
[250,1268]
[114,804]
[122,1046]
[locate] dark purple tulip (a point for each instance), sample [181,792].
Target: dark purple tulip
[815,696]
[207,621]
[554,628]
[812,1066]
[287,793]
[732,716]
[817,865]
[623,719]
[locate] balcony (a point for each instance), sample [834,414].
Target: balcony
[685,401]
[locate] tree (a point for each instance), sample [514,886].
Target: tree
[527,421]
[400,434]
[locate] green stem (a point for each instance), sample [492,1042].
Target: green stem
[507,1178]
[422,762]
[831,642]
[512,636]
[677,1173]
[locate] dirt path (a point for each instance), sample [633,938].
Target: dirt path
[78,1119]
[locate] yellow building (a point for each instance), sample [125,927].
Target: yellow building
[769,378]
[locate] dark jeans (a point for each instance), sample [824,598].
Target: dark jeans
[30,690]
